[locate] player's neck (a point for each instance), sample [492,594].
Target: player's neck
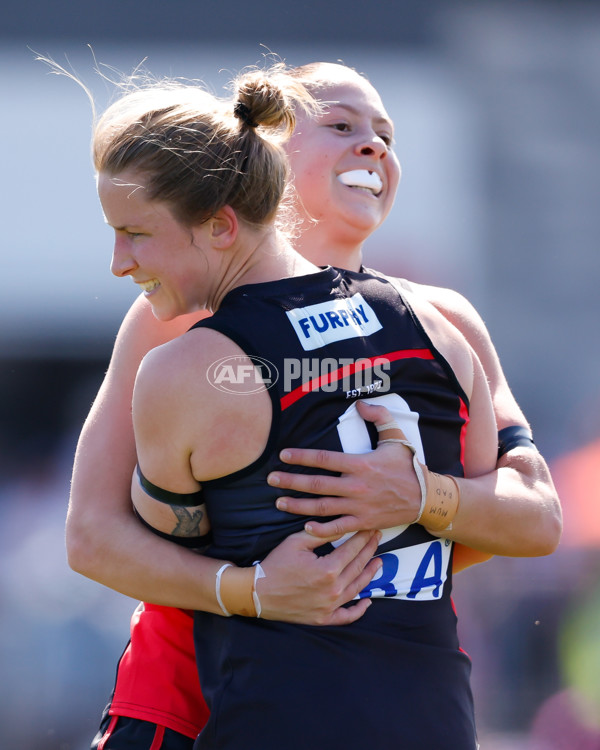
[321,251]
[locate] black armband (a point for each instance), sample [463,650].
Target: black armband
[186,500]
[515,436]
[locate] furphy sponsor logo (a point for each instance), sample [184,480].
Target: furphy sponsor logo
[335,320]
[237,374]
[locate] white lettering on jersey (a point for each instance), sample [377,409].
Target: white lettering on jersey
[335,320]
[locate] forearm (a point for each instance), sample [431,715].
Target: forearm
[299,586]
[513,511]
[107,543]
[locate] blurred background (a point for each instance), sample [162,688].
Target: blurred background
[497,113]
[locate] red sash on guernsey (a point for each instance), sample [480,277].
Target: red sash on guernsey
[157,678]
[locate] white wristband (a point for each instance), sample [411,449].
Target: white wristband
[218,588]
[258,573]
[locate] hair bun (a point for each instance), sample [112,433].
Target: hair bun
[242,112]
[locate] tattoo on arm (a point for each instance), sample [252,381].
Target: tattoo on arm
[188,521]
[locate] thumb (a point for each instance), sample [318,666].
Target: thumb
[387,427]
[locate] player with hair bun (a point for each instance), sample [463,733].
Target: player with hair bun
[334,153]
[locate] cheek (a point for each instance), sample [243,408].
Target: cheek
[307,165]
[395,172]
[313,185]
[398,170]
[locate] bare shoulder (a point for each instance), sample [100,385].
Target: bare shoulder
[140,324]
[481,444]
[463,316]
[177,403]
[176,371]
[140,332]
[457,309]
[446,337]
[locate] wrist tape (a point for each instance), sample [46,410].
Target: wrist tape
[236,591]
[439,492]
[441,502]
[439,496]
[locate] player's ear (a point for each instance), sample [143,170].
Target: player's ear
[222,228]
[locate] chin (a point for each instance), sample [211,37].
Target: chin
[164,315]
[364,225]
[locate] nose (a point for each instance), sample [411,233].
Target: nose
[372,145]
[122,263]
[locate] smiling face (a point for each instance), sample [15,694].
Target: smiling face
[345,171]
[159,253]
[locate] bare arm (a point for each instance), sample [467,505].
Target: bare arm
[107,543]
[520,497]
[104,539]
[510,510]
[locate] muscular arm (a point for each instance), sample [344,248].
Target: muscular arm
[510,510]
[518,509]
[107,543]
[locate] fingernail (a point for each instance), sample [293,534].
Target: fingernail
[281,504]
[308,528]
[378,535]
[273,480]
[285,455]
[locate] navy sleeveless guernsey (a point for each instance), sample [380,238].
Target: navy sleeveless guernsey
[397,678]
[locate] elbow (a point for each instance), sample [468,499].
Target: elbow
[78,559]
[81,546]
[554,533]
[549,531]
[543,529]
[554,521]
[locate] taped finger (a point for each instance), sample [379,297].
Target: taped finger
[389,432]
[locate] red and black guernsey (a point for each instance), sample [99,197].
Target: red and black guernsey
[157,680]
[396,677]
